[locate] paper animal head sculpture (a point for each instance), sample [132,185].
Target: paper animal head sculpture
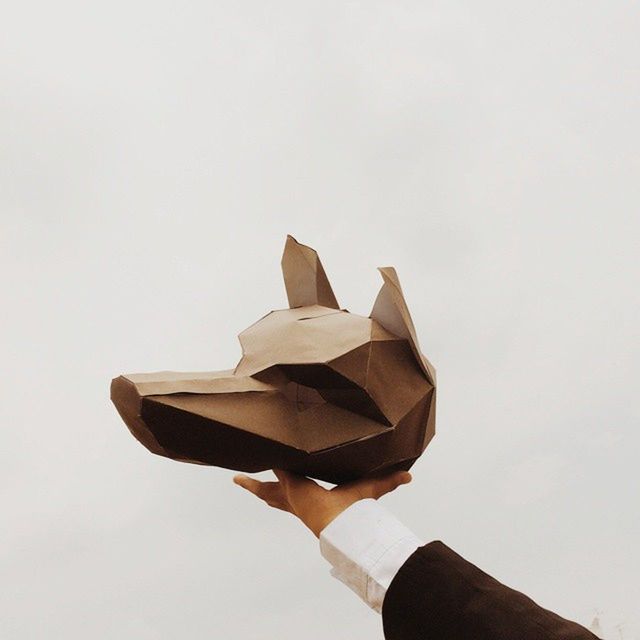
[318,391]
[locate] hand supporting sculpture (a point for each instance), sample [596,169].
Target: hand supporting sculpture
[314,505]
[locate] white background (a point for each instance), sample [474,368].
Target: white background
[153,155]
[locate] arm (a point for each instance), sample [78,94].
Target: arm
[437,593]
[422,591]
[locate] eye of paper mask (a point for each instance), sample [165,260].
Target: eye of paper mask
[318,390]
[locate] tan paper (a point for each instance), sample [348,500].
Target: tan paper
[318,391]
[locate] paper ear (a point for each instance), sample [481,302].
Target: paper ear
[304,278]
[391,311]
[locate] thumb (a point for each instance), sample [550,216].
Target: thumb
[377,487]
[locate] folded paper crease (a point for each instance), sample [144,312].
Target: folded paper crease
[318,390]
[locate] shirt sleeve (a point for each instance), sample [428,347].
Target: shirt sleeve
[366,546]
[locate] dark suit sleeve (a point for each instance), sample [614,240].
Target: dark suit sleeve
[438,595]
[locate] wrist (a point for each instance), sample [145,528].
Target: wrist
[322,518]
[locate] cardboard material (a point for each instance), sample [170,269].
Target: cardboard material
[318,390]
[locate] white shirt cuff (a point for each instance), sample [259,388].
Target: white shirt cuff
[367,545]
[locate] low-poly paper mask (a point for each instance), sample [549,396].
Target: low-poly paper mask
[318,391]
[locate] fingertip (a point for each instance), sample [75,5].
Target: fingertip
[405,477]
[240,480]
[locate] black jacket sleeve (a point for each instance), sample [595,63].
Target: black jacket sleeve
[438,595]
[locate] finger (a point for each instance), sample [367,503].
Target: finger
[293,480]
[377,487]
[385,484]
[292,483]
[269,492]
[250,484]
[281,474]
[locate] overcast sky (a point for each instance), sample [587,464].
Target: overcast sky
[153,156]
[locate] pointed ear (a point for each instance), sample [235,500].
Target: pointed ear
[391,311]
[304,277]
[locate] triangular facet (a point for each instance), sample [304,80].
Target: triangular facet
[304,277]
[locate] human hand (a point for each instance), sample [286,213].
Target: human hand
[313,504]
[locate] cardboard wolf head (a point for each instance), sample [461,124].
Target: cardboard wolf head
[318,391]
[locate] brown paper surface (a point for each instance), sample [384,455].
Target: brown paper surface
[318,390]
